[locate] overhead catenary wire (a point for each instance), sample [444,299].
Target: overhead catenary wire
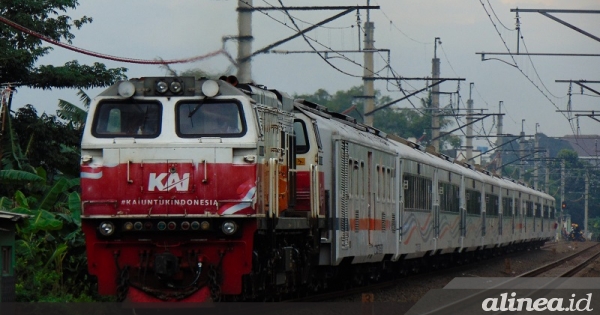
[515,64]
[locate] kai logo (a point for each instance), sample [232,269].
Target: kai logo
[168,181]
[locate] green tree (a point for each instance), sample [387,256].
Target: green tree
[47,142]
[20,51]
[51,261]
[73,114]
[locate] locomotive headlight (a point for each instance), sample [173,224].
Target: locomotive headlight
[106,228]
[175,87]
[161,87]
[210,88]
[229,227]
[126,89]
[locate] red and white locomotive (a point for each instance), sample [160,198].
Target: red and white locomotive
[198,189]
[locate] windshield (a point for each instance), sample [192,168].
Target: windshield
[218,119]
[119,119]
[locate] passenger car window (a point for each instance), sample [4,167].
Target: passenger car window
[125,119]
[220,119]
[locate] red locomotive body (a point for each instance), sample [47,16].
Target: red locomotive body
[176,182]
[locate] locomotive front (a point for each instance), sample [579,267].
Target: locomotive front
[172,186]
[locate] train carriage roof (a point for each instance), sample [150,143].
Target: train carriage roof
[354,131]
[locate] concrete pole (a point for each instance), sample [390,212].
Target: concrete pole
[244,73]
[586,206]
[522,152]
[469,145]
[547,178]
[368,72]
[536,162]
[499,139]
[562,184]
[435,98]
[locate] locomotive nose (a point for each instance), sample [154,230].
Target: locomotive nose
[166,265]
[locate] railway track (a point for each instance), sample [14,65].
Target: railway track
[581,260]
[358,290]
[564,267]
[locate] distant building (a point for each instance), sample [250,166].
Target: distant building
[586,146]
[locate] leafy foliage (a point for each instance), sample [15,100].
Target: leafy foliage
[50,247]
[47,140]
[74,115]
[51,262]
[20,51]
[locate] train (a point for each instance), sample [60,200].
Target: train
[200,190]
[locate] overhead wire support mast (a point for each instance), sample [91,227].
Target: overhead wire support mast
[545,12]
[583,113]
[347,9]
[439,81]
[484,116]
[581,84]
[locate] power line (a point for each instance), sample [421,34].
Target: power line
[497,18]
[105,56]
[515,62]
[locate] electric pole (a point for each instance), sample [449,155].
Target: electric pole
[368,73]
[435,98]
[469,124]
[547,174]
[244,73]
[522,152]
[562,185]
[499,139]
[536,162]
[585,208]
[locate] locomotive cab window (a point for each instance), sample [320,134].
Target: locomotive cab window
[210,119]
[126,119]
[302,145]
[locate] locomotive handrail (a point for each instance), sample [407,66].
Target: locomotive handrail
[273,188]
[129,181]
[205,180]
[314,191]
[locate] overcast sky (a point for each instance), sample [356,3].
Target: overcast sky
[148,29]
